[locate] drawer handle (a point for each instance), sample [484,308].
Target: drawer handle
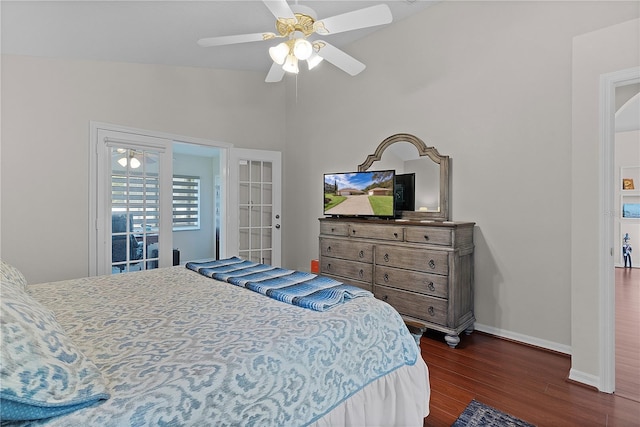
[431,287]
[431,311]
[328,249]
[386,257]
[329,266]
[353,231]
[432,264]
[333,229]
[395,235]
[361,254]
[385,297]
[426,237]
[386,277]
[361,273]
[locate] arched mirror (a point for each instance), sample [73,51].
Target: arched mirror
[417,166]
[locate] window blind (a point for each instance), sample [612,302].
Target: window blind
[186,202]
[140,196]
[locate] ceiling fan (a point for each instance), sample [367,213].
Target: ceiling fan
[298,25]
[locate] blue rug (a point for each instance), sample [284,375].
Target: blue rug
[479,414]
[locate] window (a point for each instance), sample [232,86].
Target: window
[186,202]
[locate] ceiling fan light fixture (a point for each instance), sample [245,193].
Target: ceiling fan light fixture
[314,60]
[279,53]
[134,163]
[302,49]
[122,162]
[291,64]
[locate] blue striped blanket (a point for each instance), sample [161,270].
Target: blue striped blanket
[305,290]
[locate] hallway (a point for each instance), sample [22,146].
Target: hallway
[628,333]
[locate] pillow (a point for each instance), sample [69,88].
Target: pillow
[12,275]
[42,373]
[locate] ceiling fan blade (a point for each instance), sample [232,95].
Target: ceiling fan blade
[340,59]
[279,8]
[361,18]
[240,38]
[276,73]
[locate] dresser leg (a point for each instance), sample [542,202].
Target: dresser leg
[416,329]
[452,340]
[469,330]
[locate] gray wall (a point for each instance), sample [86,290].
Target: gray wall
[47,105]
[595,54]
[488,84]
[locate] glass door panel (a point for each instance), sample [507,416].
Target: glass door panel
[256,208]
[135,209]
[254,205]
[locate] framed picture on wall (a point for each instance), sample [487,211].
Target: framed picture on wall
[627,184]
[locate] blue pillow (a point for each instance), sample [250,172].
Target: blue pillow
[42,373]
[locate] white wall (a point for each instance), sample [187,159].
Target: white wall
[594,54]
[46,109]
[198,244]
[489,84]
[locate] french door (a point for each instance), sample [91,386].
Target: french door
[255,205]
[133,202]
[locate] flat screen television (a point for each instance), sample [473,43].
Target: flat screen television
[360,194]
[404,192]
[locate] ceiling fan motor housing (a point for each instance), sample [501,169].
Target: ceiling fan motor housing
[303,24]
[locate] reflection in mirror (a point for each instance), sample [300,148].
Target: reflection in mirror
[407,154]
[403,157]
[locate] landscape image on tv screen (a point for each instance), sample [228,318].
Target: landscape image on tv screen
[359,194]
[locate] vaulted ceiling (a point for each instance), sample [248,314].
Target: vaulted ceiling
[163,32]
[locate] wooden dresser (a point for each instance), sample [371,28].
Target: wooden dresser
[423,269]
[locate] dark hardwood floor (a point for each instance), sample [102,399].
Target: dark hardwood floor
[524,381]
[628,333]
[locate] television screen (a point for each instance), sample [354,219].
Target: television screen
[366,194]
[404,192]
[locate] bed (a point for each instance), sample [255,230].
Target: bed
[172,346]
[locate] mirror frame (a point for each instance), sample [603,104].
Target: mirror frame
[423,151]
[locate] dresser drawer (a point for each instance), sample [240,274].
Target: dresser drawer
[348,269]
[423,283]
[430,309]
[364,285]
[351,250]
[334,229]
[430,261]
[430,235]
[380,232]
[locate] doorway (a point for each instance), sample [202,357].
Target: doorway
[626,179]
[156,199]
[608,84]
[210,200]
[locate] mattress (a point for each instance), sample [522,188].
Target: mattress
[177,348]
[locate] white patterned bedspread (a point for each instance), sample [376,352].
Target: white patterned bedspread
[178,348]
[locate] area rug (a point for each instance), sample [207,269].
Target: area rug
[479,414]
